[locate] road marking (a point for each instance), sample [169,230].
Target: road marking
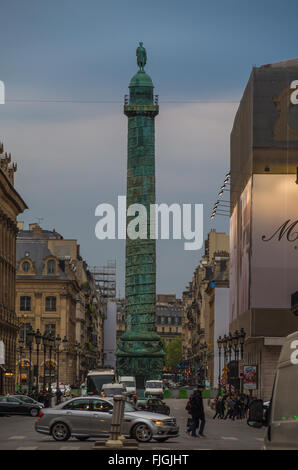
[16,437]
[26,448]
[69,448]
[259,439]
[230,438]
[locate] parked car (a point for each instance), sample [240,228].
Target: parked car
[10,405]
[154,388]
[27,399]
[153,404]
[85,417]
[109,390]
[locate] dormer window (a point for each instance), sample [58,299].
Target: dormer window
[26,266]
[51,267]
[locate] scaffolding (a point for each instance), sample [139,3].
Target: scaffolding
[105,279]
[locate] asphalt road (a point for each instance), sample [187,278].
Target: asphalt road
[18,433]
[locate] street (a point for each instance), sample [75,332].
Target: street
[17,433]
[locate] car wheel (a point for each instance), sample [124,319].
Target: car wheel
[167,411]
[82,438]
[60,432]
[34,412]
[142,432]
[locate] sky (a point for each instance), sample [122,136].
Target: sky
[66,66]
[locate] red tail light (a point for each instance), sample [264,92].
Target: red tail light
[147,406]
[40,415]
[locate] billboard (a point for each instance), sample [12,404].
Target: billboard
[250,377]
[274,255]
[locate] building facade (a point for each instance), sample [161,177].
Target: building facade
[11,205]
[205,311]
[55,295]
[264,198]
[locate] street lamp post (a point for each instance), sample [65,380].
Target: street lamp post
[30,336]
[235,342]
[57,346]
[230,344]
[38,337]
[242,335]
[20,351]
[45,344]
[51,341]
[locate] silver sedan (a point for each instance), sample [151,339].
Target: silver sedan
[85,417]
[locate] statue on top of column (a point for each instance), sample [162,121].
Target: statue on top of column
[141,56]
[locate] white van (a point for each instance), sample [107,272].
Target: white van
[109,390]
[282,415]
[282,431]
[130,384]
[154,388]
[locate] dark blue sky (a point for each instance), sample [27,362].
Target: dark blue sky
[71,157]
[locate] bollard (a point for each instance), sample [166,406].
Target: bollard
[117,418]
[122,406]
[116,439]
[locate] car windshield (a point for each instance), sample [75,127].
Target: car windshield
[153,385]
[112,391]
[129,384]
[129,407]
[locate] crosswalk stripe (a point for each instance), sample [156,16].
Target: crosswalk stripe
[16,437]
[26,448]
[230,438]
[259,439]
[69,448]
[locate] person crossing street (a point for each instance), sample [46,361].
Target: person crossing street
[197,412]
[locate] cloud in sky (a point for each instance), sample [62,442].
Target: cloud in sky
[68,167]
[71,157]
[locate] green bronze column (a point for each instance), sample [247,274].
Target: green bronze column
[140,352]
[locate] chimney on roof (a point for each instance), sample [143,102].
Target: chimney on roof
[37,230]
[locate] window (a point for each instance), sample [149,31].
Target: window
[51,267]
[25,303]
[101,405]
[51,304]
[13,400]
[26,266]
[24,330]
[78,405]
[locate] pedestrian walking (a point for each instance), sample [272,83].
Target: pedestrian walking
[197,412]
[219,408]
[230,408]
[47,400]
[189,420]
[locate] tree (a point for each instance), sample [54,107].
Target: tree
[173,350]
